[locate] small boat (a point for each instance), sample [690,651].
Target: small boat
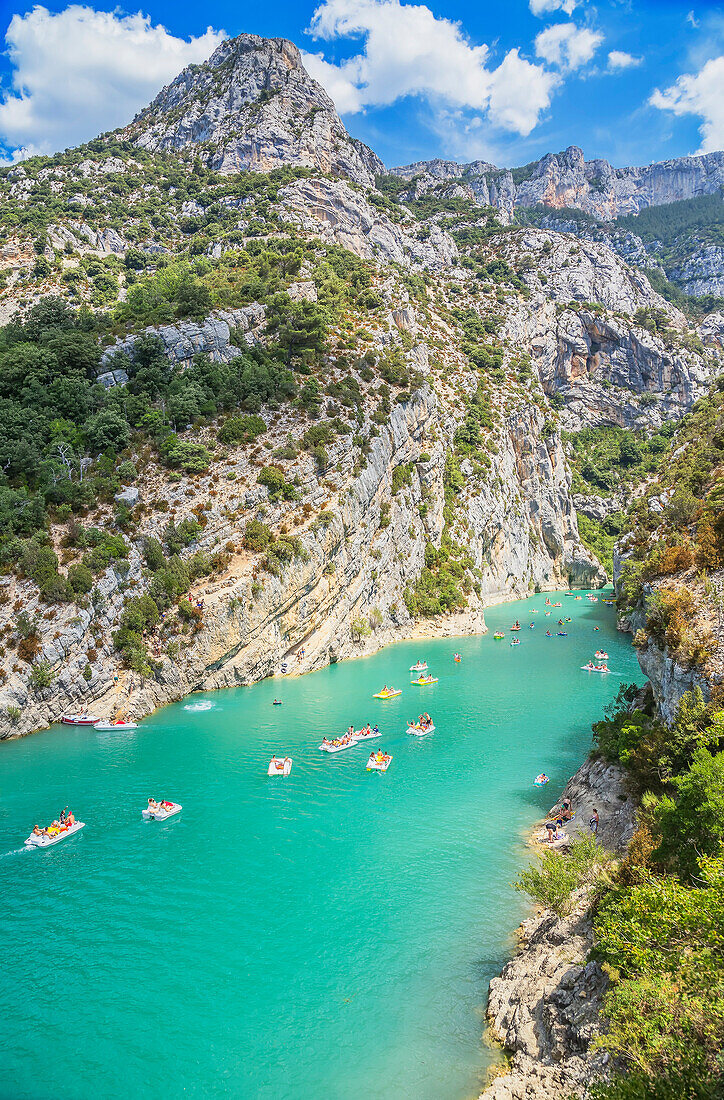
[515,641]
[578,597]
[277,703]
[593,599]
[534,610]
[498,635]
[457,657]
[46,841]
[562,633]
[419,730]
[339,744]
[540,780]
[362,735]
[516,627]
[162,810]
[379,762]
[590,667]
[423,681]
[600,655]
[531,626]
[118,725]
[559,604]
[279,767]
[80,719]
[609,603]
[387,693]
[421,666]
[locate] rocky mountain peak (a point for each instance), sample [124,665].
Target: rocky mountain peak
[253,106]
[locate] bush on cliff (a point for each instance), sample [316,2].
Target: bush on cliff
[555,877]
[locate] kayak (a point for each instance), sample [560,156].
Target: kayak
[103,725]
[421,666]
[389,694]
[280,767]
[331,747]
[80,719]
[163,811]
[425,680]
[34,841]
[419,731]
[540,780]
[375,765]
[562,633]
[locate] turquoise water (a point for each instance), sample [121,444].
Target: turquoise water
[328,936]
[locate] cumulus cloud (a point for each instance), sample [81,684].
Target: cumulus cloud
[567,45]
[619,59]
[408,51]
[700,94]
[80,72]
[545,7]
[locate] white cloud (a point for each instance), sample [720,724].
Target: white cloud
[543,7]
[80,72]
[408,51]
[567,45]
[691,18]
[618,59]
[699,94]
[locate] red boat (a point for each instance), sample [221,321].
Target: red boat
[80,719]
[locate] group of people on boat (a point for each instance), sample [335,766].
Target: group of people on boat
[155,806]
[64,821]
[423,722]
[379,758]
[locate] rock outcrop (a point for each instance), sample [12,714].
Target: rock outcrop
[332,210]
[253,107]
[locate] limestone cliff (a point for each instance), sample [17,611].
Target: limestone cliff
[566,179]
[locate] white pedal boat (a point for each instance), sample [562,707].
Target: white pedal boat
[115,725]
[41,841]
[420,731]
[280,767]
[162,812]
[375,765]
[80,719]
[361,735]
[331,747]
[421,666]
[595,668]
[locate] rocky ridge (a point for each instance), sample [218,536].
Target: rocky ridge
[567,180]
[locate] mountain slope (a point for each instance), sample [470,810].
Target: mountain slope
[253,106]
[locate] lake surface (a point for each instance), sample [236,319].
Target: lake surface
[328,936]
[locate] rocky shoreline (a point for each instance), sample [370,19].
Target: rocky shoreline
[544,1009]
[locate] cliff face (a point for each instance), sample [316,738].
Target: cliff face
[253,106]
[567,180]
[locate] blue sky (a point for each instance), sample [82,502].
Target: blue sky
[630,80]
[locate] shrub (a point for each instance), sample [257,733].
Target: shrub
[80,578]
[554,878]
[272,477]
[257,536]
[41,676]
[241,429]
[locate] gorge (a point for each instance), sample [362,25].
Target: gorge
[266,405]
